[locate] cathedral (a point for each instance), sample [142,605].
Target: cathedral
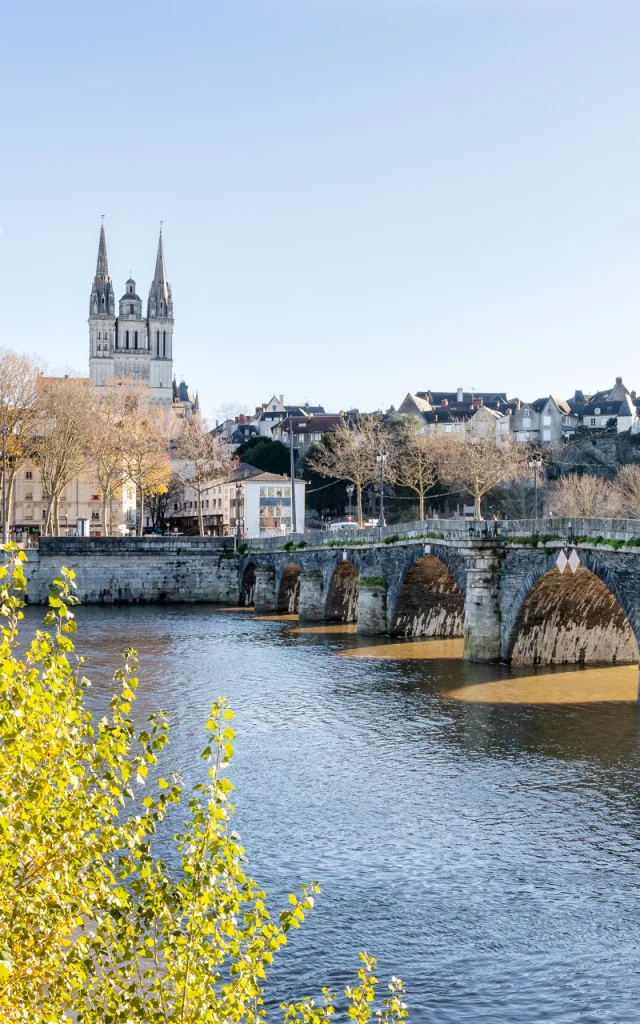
[131,344]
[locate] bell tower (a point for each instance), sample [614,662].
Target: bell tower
[102,318]
[160,329]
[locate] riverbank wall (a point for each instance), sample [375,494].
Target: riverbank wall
[110,570]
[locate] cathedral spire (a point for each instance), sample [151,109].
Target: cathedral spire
[160,302]
[102,267]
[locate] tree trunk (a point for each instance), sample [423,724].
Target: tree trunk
[478,504]
[10,482]
[105,522]
[200,516]
[55,506]
[141,520]
[359,502]
[421,506]
[47,520]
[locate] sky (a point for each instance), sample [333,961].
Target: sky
[360,198]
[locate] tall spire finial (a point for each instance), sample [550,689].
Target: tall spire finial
[102,267]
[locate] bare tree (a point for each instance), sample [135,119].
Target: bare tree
[62,439]
[146,450]
[107,438]
[349,453]
[206,459]
[415,459]
[19,377]
[627,485]
[477,466]
[584,497]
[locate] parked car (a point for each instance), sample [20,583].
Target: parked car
[344,526]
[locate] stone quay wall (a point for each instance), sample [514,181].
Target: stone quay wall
[112,569]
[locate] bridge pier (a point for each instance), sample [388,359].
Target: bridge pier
[372,607]
[482,618]
[265,592]
[228,582]
[311,601]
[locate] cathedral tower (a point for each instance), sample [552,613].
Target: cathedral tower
[102,319]
[160,325]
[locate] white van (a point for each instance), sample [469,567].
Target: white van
[344,526]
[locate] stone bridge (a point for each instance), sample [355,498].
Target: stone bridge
[498,585]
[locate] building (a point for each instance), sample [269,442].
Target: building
[306,430]
[613,409]
[547,421]
[267,416]
[135,344]
[80,500]
[261,500]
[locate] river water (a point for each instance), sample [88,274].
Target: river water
[475,829]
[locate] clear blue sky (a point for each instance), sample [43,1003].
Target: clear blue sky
[360,197]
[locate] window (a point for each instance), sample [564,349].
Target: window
[28,496]
[458,426]
[546,435]
[95,516]
[135,339]
[263,510]
[603,422]
[28,512]
[287,492]
[504,426]
[597,412]
[131,309]
[126,344]
[29,474]
[278,492]
[592,421]
[129,493]
[546,421]
[316,437]
[175,506]
[447,429]
[263,492]
[526,422]
[164,344]
[98,335]
[206,504]
[270,492]
[158,344]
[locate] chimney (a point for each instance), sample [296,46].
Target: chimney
[633,396]
[477,402]
[460,395]
[445,401]
[618,380]
[281,397]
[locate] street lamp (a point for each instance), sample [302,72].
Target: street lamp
[381,458]
[238,518]
[350,489]
[535,464]
[5,532]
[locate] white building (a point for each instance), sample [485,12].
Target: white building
[261,500]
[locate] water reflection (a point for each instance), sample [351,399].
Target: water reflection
[487,852]
[407,650]
[584,686]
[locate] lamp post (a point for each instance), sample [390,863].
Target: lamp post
[5,532]
[293,478]
[535,464]
[350,489]
[381,458]
[238,517]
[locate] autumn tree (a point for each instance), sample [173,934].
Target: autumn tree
[584,496]
[145,450]
[477,466]
[160,503]
[108,432]
[205,460]
[19,377]
[61,446]
[349,453]
[415,458]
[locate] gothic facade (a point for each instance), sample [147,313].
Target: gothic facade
[135,344]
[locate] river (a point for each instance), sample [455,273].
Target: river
[476,829]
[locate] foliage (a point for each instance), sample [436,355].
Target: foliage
[266,454]
[93,926]
[145,450]
[349,453]
[62,446]
[627,486]
[584,497]
[415,458]
[205,460]
[159,503]
[478,466]
[372,581]
[392,540]
[19,378]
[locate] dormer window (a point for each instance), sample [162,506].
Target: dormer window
[597,412]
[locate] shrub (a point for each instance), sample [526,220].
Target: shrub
[92,923]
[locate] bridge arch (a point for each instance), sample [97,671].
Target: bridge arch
[429,601]
[341,603]
[248,585]
[562,618]
[288,594]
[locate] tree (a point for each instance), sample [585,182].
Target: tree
[160,503]
[206,459]
[416,458]
[584,497]
[18,409]
[266,454]
[62,441]
[146,450]
[627,486]
[93,925]
[108,435]
[477,466]
[349,453]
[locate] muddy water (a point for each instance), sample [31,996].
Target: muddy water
[477,829]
